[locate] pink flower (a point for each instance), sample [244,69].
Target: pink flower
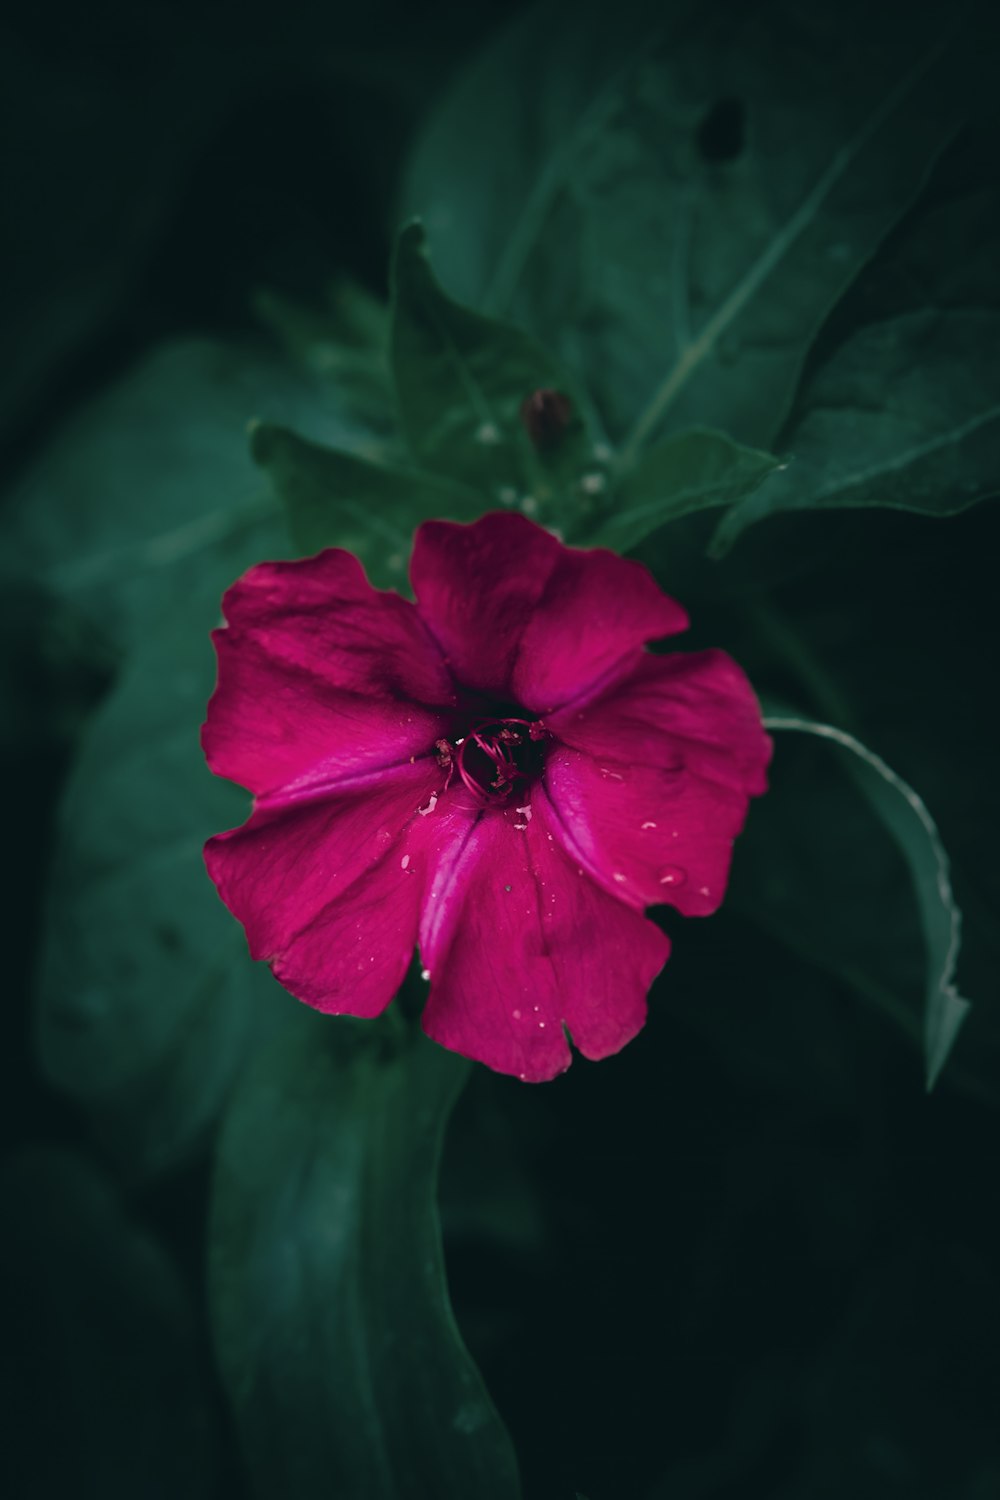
[500,773]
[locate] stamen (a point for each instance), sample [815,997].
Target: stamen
[501,742]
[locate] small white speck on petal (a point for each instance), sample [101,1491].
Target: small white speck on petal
[404,862]
[425,973]
[431,805]
[618,877]
[644,826]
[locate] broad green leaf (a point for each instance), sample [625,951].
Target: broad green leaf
[146,495]
[906,818]
[692,471]
[676,196]
[344,342]
[109,1392]
[906,411]
[147,998]
[334,499]
[332,1324]
[460,382]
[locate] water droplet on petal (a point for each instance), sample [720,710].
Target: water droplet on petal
[404,863]
[541,1025]
[703,890]
[618,877]
[517,1015]
[672,875]
[645,826]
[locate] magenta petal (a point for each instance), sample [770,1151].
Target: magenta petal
[695,711]
[321,677]
[519,943]
[653,786]
[523,617]
[329,891]
[647,836]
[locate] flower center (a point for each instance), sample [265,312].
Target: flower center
[495,758]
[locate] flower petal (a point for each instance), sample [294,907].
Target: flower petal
[520,944]
[321,677]
[328,891]
[651,782]
[522,617]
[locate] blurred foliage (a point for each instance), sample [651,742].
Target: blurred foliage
[326,1264]
[756,248]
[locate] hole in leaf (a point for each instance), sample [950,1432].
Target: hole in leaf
[722,132]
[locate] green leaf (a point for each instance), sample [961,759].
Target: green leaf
[460,382]
[344,342]
[100,1330]
[692,471]
[334,499]
[906,818]
[906,411]
[143,511]
[149,492]
[675,208]
[332,1325]
[147,999]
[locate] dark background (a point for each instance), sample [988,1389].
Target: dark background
[748,1258]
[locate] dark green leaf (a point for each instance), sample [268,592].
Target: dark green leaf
[150,492]
[110,1395]
[332,1324]
[677,206]
[344,341]
[147,998]
[461,380]
[906,818]
[692,471]
[906,411]
[334,499]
